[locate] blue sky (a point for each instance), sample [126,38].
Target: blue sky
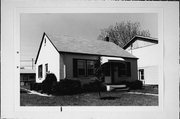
[85,25]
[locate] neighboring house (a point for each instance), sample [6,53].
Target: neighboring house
[146,49]
[75,58]
[27,76]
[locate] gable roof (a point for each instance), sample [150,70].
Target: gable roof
[142,38]
[69,44]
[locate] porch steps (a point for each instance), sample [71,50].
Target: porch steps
[117,87]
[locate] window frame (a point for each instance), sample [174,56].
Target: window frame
[86,74]
[122,69]
[126,69]
[141,73]
[40,72]
[46,67]
[81,68]
[87,68]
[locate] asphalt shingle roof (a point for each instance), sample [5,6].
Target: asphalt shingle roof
[84,46]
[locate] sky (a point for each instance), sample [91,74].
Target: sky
[85,25]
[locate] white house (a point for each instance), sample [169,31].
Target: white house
[147,50]
[75,58]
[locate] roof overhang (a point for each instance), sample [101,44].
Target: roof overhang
[142,38]
[101,55]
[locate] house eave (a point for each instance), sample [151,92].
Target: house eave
[39,47]
[142,38]
[97,55]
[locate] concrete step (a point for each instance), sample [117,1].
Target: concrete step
[122,89]
[115,87]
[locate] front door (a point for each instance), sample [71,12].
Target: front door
[114,72]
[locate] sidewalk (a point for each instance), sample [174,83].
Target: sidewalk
[36,93]
[150,94]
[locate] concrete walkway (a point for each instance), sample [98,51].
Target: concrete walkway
[36,93]
[139,93]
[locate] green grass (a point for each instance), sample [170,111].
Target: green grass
[89,99]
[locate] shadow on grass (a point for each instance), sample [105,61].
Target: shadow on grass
[108,98]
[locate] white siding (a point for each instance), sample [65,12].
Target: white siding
[150,74]
[48,54]
[148,57]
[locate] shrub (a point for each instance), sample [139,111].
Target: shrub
[67,87]
[32,86]
[36,86]
[94,86]
[136,84]
[49,83]
[133,84]
[23,90]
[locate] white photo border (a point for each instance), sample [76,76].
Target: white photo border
[83,7]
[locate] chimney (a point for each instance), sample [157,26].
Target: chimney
[107,38]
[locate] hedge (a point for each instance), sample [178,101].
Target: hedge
[94,86]
[36,86]
[49,83]
[133,84]
[67,87]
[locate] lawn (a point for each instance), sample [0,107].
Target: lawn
[90,99]
[153,89]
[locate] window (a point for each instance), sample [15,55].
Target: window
[141,74]
[106,69]
[25,78]
[46,67]
[44,41]
[124,69]
[90,68]
[40,70]
[83,67]
[31,77]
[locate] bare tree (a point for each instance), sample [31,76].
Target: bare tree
[122,32]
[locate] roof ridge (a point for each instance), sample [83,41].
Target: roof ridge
[77,37]
[66,43]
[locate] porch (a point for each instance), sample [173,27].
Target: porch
[116,71]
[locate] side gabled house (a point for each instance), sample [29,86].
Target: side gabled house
[147,50]
[75,58]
